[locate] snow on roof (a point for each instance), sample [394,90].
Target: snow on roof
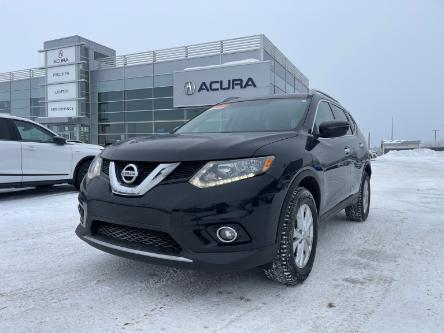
[229,63]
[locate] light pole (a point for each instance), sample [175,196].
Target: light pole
[435,130]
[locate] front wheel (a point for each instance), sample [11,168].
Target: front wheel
[81,173]
[360,210]
[298,238]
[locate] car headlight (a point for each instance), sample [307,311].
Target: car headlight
[95,167]
[223,172]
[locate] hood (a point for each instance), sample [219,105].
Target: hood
[84,145]
[192,147]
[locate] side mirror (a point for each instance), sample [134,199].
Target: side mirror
[333,129]
[58,140]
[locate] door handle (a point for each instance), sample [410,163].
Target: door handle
[347,150]
[31,148]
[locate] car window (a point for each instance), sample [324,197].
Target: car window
[5,133]
[340,115]
[33,133]
[352,122]
[262,115]
[323,114]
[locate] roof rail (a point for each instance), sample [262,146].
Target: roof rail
[229,99]
[323,93]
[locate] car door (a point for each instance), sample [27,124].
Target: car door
[332,159]
[10,155]
[351,148]
[42,159]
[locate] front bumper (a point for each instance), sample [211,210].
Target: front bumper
[188,215]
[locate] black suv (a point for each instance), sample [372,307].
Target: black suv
[244,184]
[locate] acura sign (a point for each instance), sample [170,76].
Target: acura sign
[211,85]
[63,56]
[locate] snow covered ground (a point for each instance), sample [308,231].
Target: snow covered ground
[384,275]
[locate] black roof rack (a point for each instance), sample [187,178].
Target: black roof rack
[323,93]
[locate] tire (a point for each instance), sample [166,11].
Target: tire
[80,174]
[284,268]
[359,211]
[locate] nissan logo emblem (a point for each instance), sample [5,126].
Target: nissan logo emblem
[189,88]
[129,173]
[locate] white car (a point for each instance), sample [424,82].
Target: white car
[32,155]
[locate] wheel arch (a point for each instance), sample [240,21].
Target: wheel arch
[79,163]
[308,179]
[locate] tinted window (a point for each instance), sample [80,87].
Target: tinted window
[323,114]
[281,114]
[4,130]
[340,115]
[33,133]
[110,96]
[111,107]
[142,104]
[139,93]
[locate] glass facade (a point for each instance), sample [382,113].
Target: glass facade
[144,107]
[23,97]
[132,95]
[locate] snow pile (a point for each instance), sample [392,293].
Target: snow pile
[415,155]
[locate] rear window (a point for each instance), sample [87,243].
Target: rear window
[269,115]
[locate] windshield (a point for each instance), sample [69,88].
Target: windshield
[268,115]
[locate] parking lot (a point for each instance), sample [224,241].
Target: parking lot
[384,275]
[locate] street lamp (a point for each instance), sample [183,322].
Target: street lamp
[435,130]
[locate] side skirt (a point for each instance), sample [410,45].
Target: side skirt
[31,184]
[340,206]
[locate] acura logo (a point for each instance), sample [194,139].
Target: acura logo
[129,173]
[189,88]
[60,53]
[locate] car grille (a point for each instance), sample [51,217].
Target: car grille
[183,172]
[156,241]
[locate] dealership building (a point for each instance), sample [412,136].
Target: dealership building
[85,92]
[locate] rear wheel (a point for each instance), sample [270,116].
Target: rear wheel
[360,210]
[298,238]
[81,173]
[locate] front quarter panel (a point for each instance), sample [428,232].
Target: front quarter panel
[293,157]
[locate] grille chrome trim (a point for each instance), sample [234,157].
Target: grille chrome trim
[154,178]
[143,253]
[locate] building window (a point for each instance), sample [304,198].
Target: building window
[139,93]
[175,114]
[139,116]
[140,128]
[110,96]
[111,117]
[140,104]
[163,92]
[163,103]
[110,107]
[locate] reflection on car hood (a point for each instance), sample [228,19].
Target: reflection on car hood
[192,147]
[84,145]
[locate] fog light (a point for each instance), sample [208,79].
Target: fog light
[226,234]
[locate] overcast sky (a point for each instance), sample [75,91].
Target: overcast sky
[378,58]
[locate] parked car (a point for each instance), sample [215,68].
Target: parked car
[242,185]
[32,155]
